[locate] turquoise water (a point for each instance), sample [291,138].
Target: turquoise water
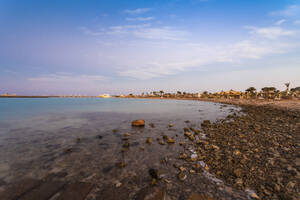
[24,108]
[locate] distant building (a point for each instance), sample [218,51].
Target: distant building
[104,96]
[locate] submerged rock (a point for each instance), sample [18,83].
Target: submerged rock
[149,140]
[171,140]
[182,176]
[138,123]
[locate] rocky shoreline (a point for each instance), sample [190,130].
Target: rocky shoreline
[257,151]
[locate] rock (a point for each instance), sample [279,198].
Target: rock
[152,125]
[205,123]
[138,123]
[186,129]
[238,172]
[155,174]
[161,143]
[215,147]
[237,153]
[126,134]
[192,171]
[194,157]
[187,133]
[183,156]
[126,145]
[171,140]
[196,196]
[239,182]
[99,136]
[118,184]
[182,176]
[165,137]
[121,164]
[290,186]
[68,150]
[149,140]
[182,169]
[181,143]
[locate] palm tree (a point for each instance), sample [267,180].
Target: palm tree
[251,91]
[161,92]
[287,87]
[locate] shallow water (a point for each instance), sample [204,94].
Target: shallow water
[35,135]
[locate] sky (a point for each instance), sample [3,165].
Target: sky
[91,47]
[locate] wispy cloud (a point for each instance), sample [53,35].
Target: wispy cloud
[144,31]
[162,33]
[68,78]
[137,11]
[271,32]
[289,11]
[140,19]
[279,22]
[88,31]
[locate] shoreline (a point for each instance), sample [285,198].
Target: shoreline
[283,104]
[256,152]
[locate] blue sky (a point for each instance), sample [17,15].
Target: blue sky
[93,47]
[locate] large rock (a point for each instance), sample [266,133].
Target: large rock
[138,123]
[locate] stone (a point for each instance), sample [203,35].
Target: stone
[121,164]
[238,172]
[138,123]
[126,145]
[149,140]
[183,156]
[182,169]
[239,182]
[182,176]
[152,125]
[237,153]
[126,134]
[156,174]
[118,184]
[171,140]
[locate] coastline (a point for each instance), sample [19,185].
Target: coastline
[283,104]
[255,152]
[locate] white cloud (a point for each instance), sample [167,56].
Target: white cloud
[68,78]
[144,31]
[137,11]
[271,32]
[289,11]
[87,31]
[164,33]
[297,22]
[140,19]
[279,22]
